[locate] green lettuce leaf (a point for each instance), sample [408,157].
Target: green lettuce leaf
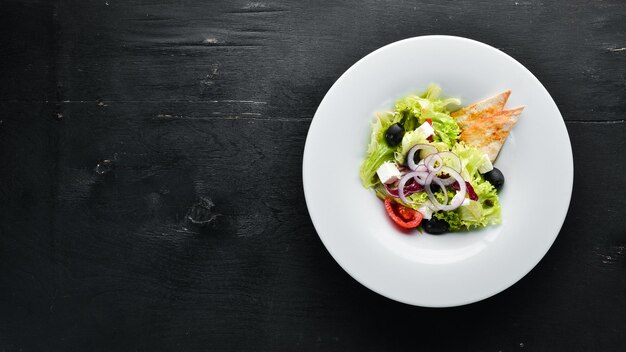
[488,198]
[472,159]
[371,164]
[433,92]
[416,109]
[378,151]
[446,128]
[485,211]
[410,109]
[418,200]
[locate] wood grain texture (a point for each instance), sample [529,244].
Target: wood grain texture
[189,100]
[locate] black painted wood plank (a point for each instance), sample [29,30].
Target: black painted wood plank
[288,54]
[115,252]
[28,41]
[187,101]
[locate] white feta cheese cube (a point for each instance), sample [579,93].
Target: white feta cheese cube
[426,129]
[466,201]
[486,166]
[426,212]
[388,172]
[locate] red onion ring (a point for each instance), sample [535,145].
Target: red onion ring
[458,198]
[422,168]
[422,173]
[411,155]
[402,184]
[426,173]
[447,180]
[431,160]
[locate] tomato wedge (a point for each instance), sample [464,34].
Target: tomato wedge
[403,216]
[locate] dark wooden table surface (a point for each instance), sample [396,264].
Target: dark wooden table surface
[121,120]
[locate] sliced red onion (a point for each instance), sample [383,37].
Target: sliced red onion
[421,178]
[411,154]
[431,171]
[422,168]
[470,190]
[409,189]
[402,184]
[431,160]
[422,173]
[459,166]
[391,191]
[446,179]
[458,198]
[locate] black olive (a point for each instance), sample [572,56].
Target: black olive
[394,134]
[495,177]
[435,226]
[489,203]
[434,188]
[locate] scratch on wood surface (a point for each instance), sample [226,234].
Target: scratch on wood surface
[106,102]
[595,122]
[220,116]
[210,40]
[210,78]
[254,5]
[615,50]
[241,101]
[256,8]
[611,255]
[213,44]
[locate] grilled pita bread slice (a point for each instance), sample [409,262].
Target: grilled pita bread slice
[490,106]
[489,133]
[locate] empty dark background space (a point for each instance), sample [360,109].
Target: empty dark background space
[118,119]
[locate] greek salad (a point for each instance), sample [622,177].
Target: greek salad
[430,168]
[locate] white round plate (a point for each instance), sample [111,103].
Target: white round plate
[455,268]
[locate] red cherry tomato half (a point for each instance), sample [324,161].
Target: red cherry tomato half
[403,216]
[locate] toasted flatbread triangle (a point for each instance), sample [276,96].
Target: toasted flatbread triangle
[467,115]
[489,133]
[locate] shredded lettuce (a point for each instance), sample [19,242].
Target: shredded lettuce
[446,128]
[485,211]
[488,198]
[416,109]
[378,151]
[472,159]
[369,167]
[418,200]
